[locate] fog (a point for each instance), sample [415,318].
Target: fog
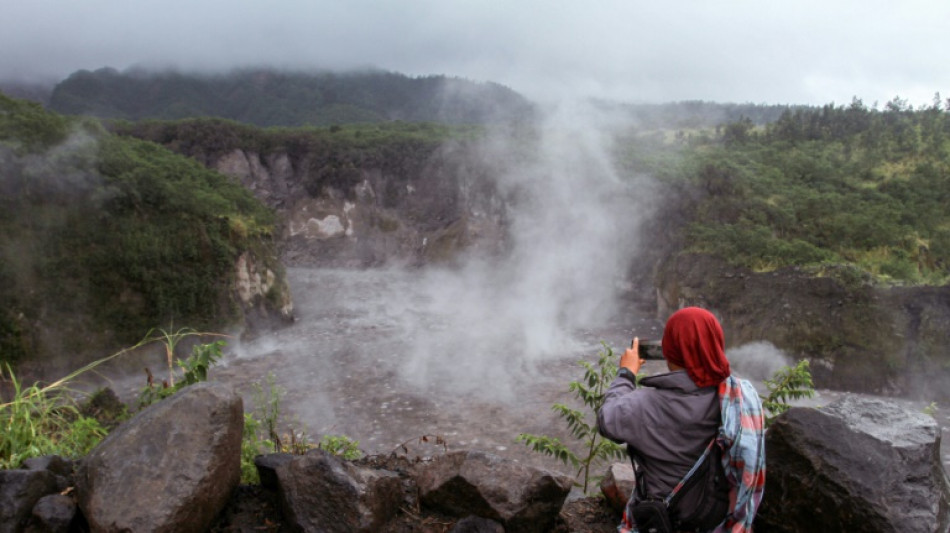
[803,52]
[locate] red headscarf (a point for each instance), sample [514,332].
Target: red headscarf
[693,339]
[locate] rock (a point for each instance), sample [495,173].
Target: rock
[267,468]
[172,467]
[477,524]
[321,492]
[856,465]
[62,469]
[19,492]
[53,513]
[618,484]
[463,483]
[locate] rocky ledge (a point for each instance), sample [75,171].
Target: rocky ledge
[856,465]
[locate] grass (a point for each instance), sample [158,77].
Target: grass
[42,420]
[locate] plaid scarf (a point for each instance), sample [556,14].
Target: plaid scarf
[742,436]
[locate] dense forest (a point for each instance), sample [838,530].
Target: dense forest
[275,98]
[819,187]
[104,237]
[281,98]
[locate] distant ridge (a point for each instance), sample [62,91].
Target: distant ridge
[268,97]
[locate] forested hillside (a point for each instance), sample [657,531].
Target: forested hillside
[837,185]
[275,98]
[104,237]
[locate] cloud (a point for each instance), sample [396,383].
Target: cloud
[734,50]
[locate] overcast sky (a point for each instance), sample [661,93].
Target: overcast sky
[760,51]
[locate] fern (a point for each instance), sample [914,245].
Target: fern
[787,384]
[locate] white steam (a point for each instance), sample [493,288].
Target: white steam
[573,221]
[757,361]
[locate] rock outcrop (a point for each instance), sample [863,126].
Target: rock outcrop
[172,467]
[423,205]
[321,492]
[856,465]
[521,498]
[263,294]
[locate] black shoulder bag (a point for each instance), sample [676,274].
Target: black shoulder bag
[710,507]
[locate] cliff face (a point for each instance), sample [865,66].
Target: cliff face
[857,337]
[423,207]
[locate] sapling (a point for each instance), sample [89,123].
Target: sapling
[590,391]
[788,383]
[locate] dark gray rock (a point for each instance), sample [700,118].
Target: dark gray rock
[477,524]
[522,498]
[19,492]
[61,468]
[53,513]
[172,467]
[267,468]
[321,492]
[857,465]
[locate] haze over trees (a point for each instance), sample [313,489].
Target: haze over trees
[819,187]
[116,229]
[273,98]
[105,237]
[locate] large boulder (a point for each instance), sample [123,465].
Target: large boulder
[463,483]
[172,467]
[322,492]
[857,465]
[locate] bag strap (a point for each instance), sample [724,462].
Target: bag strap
[669,499]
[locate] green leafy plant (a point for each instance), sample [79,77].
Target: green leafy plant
[589,391]
[194,368]
[787,384]
[341,445]
[262,434]
[931,409]
[267,409]
[251,446]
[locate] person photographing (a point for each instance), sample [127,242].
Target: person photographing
[695,419]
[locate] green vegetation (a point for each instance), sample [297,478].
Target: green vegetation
[102,237]
[342,446]
[337,156]
[261,433]
[590,391]
[194,368]
[787,384]
[40,421]
[273,98]
[818,188]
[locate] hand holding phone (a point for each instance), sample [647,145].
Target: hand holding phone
[631,356]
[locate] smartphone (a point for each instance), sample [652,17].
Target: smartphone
[650,350]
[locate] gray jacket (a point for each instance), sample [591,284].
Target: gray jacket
[667,423]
